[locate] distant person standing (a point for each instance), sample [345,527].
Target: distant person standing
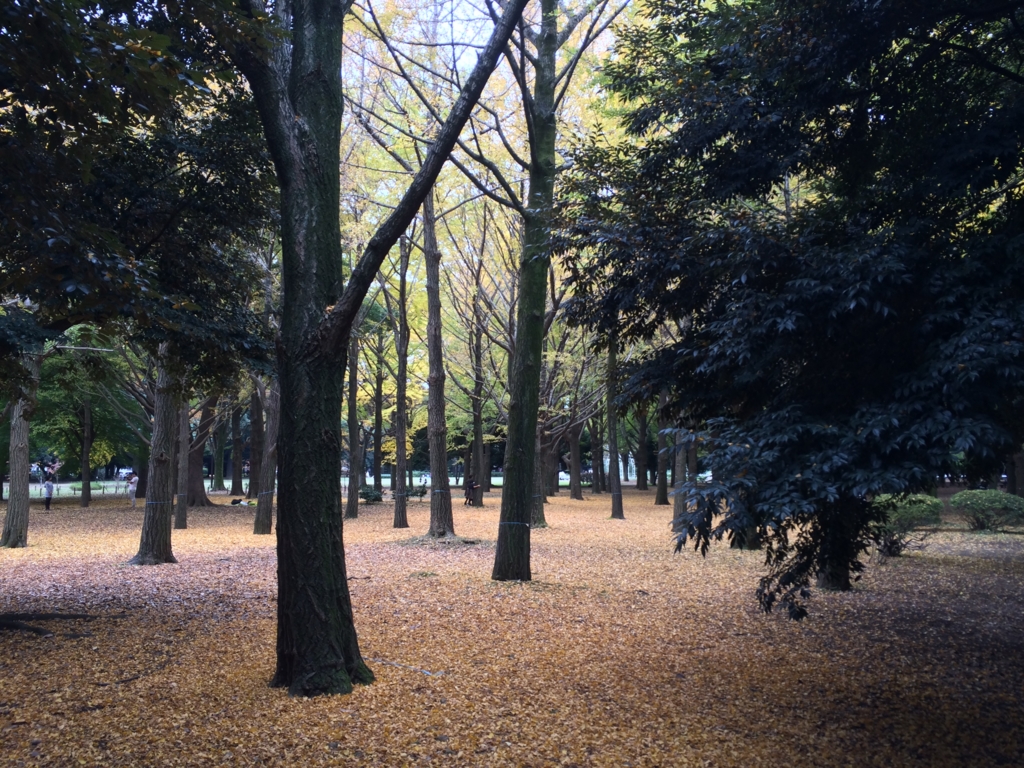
[133,485]
[48,490]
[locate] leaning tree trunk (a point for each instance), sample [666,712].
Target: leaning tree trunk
[398,479]
[264,521]
[236,451]
[85,460]
[442,522]
[16,523]
[661,494]
[614,485]
[196,488]
[255,444]
[355,446]
[182,455]
[155,542]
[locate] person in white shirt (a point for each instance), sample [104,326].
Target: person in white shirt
[133,484]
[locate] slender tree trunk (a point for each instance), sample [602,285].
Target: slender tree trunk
[196,487]
[16,523]
[398,479]
[155,542]
[220,440]
[614,485]
[264,522]
[86,464]
[1017,467]
[378,414]
[442,522]
[512,553]
[661,495]
[184,444]
[140,460]
[256,440]
[679,509]
[597,453]
[487,481]
[481,470]
[236,450]
[355,445]
[575,464]
[537,519]
[641,447]
[624,457]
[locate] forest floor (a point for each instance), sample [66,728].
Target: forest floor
[619,653]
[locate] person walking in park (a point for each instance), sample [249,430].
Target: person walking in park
[48,490]
[133,484]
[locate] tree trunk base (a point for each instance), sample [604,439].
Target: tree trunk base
[141,559]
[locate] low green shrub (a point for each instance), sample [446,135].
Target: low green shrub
[893,537]
[370,495]
[419,491]
[988,510]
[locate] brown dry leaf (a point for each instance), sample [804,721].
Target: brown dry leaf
[619,653]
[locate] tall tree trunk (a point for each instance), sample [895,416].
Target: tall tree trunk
[481,469]
[236,450]
[624,457]
[398,478]
[487,481]
[88,433]
[597,453]
[1017,467]
[679,509]
[512,553]
[614,485]
[196,487]
[182,455]
[16,523]
[355,445]
[297,89]
[537,519]
[641,447]
[661,495]
[442,522]
[220,440]
[155,542]
[575,465]
[256,440]
[378,413]
[264,522]
[140,462]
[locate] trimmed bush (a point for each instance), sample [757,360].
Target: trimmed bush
[370,495]
[988,510]
[895,535]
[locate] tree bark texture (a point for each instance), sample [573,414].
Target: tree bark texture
[614,484]
[512,553]
[196,488]
[297,89]
[220,439]
[398,479]
[155,542]
[15,532]
[575,468]
[88,434]
[641,447]
[355,445]
[236,451]
[537,519]
[264,522]
[442,522]
[378,413]
[255,444]
[182,462]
